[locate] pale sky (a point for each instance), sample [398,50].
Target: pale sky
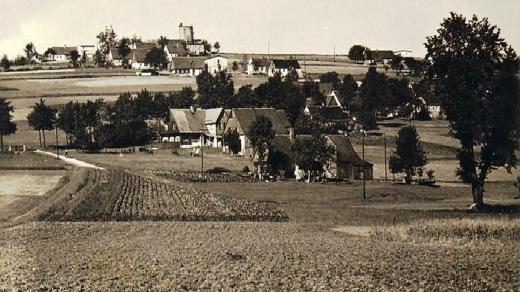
[245,26]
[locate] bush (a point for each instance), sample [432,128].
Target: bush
[218,169]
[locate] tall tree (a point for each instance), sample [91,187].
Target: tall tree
[30,52]
[162,42]
[311,154]
[357,53]
[7,127]
[157,58]
[473,70]
[123,48]
[261,134]
[347,90]
[232,141]
[409,155]
[374,93]
[246,96]
[182,99]
[74,57]
[5,63]
[107,40]
[397,63]
[42,118]
[331,77]
[216,46]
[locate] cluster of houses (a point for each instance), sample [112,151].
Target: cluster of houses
[194,127]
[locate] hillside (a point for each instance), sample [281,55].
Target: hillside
[117,195]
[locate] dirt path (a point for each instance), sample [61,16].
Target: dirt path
[72,161]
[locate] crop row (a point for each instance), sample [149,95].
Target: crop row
[120,195]
[197,177]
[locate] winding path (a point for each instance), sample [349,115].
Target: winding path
[72,161]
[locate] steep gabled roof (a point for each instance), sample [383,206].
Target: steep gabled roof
[345,151]
[137,55]
[213,115]
[382,54]
[188,121]
[145,46]
[261,62]
[246,116]
[328,113]
[187,63]
[286,64]
[63,50]
[177,47]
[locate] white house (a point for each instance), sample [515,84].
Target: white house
[257,66]
[403,53]
[187,66]
[216,63]
[283,67]
[88,50]
[136,59]
[175,48]
[60,54]
[114,57]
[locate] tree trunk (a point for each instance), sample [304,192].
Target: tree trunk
[408,178]
[40,137]
[2,141]
[44,145]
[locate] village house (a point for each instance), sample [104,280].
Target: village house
[60,54]
[346,163]
[216,63]
[187,66]
[241,119]
[379,56]
[329,116]
[257,66]
[193,127]
[175,48]
[137,59]
[114,57]
[87,50]
[283,67]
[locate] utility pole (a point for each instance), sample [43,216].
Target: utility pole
[386,178]
[364,168]
[201,152]
[268,55]
[57,148]
[334,53]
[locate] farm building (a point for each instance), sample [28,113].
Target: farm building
[257,66]
[240,119]
[379,56]
[283,67]
[88,50]
[216,63]
[188,126]
[332,99]
[136,59]
[187,66]
[114,57]
[175,48]
[330,116]
[143,45]
[346,162]
[60,54]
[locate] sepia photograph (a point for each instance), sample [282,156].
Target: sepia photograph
[240,145]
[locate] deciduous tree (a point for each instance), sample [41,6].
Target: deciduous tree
[42,118]
[7,127]
[409,155]
[473,69]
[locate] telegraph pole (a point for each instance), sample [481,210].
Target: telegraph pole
[57,148]
[201,152]
[334,53]
[364,168]
[386,178]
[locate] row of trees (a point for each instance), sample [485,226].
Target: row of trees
[131,120]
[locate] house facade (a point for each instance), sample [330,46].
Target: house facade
[175,48]
[257,66]
[284,67]
[216,63]
[240,119]
[187,66]
[60,54]
[137,59]
[346,163]
[87,50]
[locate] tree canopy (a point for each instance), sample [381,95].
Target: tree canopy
[409,155]
[473,70]
[7,127]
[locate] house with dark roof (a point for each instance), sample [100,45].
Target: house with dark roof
[187,66]
[284,67]
[332,117]
[346,163]
[175,48]
[114,57]
[257,66]
[379,56]
[240,119]
[137,59]
[192,127]
[60,54]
